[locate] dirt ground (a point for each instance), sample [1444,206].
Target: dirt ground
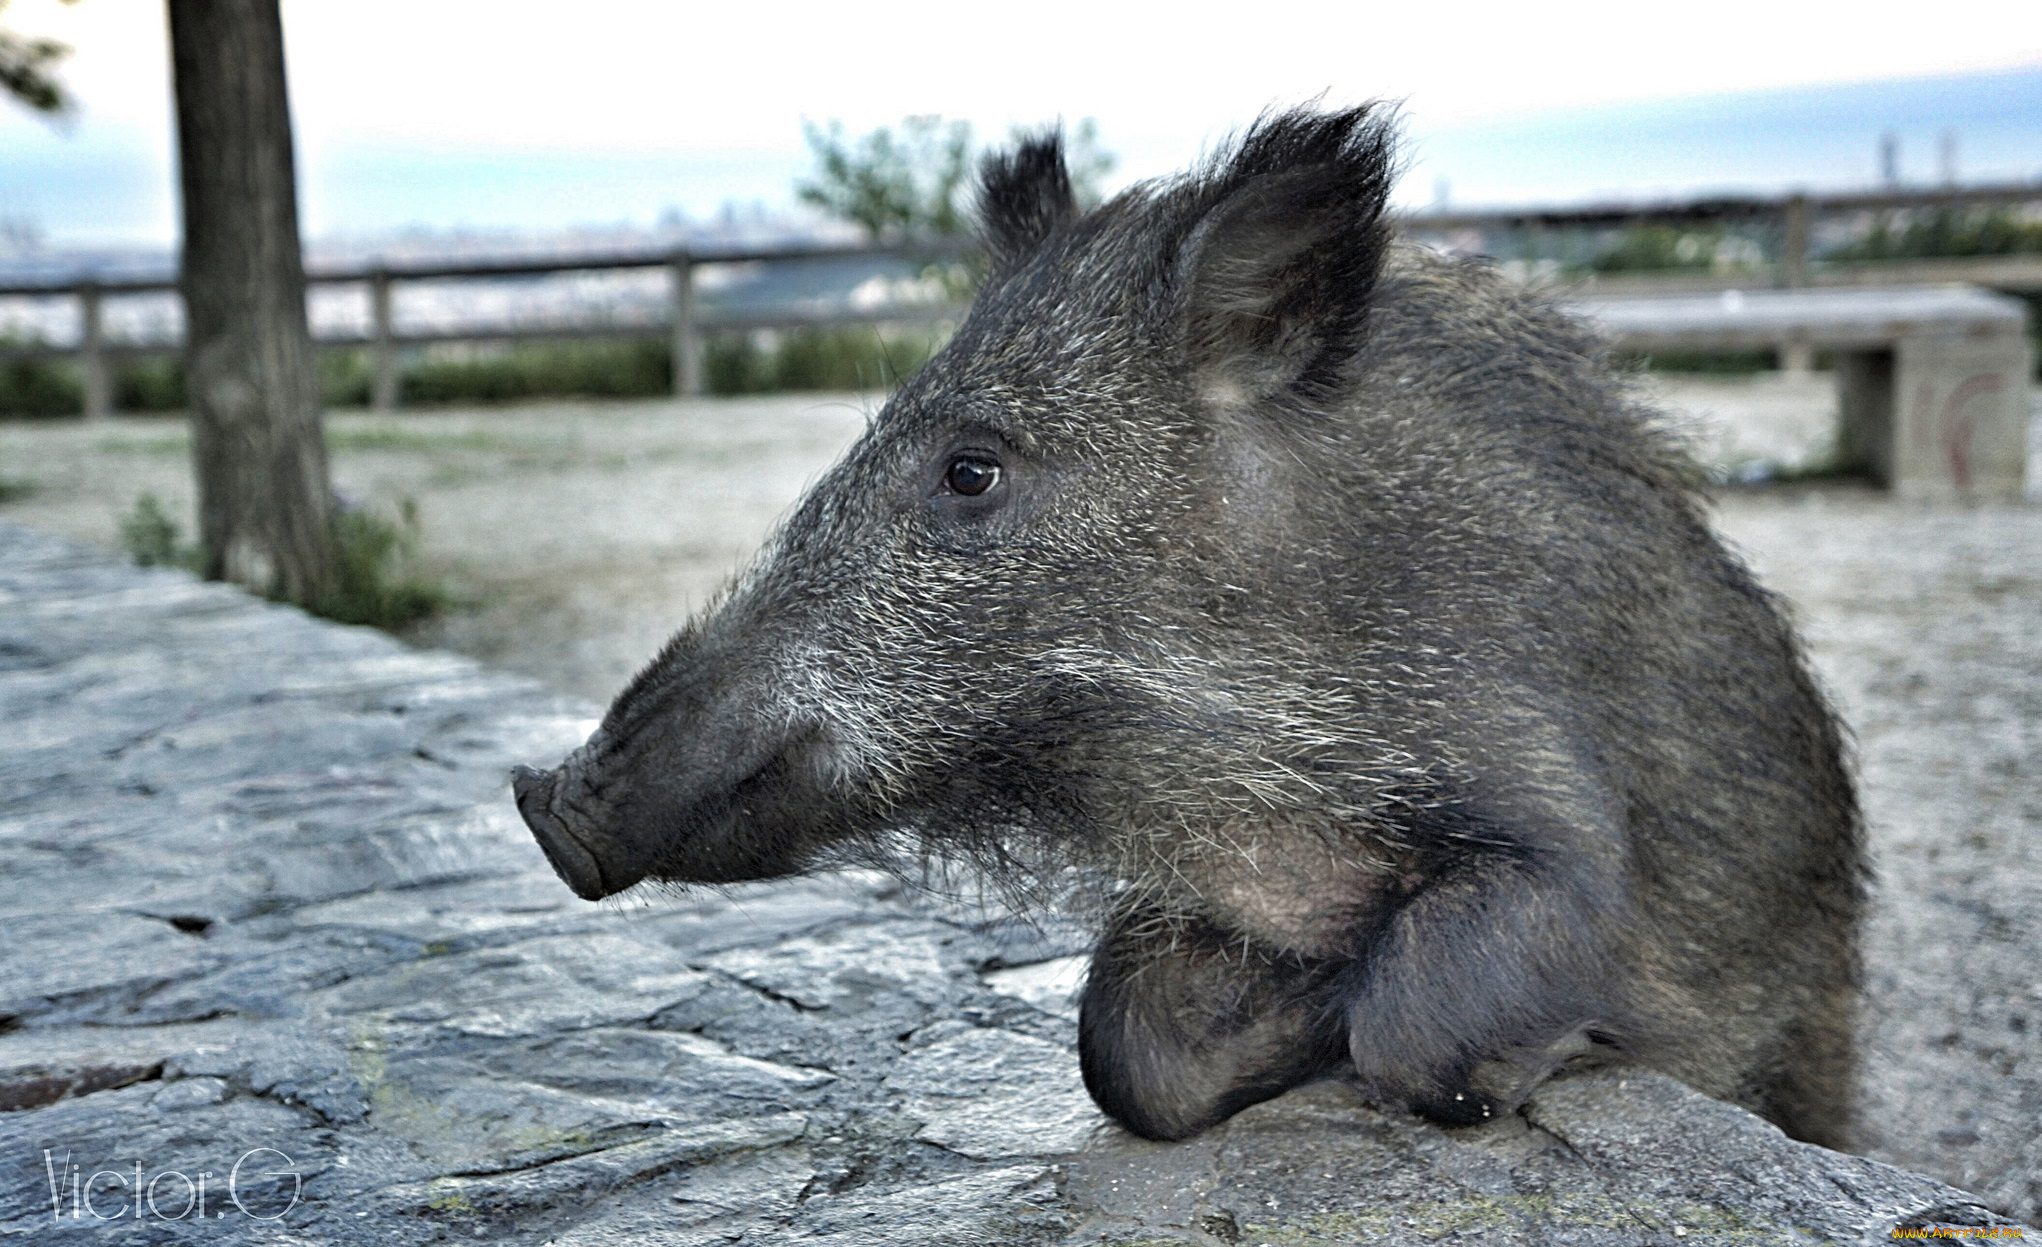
[576,537]
[579,536]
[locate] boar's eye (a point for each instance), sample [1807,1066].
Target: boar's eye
[971,475]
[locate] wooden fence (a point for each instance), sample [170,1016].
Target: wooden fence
[687,322]
[1792,216]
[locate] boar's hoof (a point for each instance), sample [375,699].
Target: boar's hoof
[575,865]
[1463,1107]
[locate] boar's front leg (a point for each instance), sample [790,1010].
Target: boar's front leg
[1182,1025]
[1482,983]
[1475,988]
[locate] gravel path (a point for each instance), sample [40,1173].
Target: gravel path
[1927,627]
[582,535]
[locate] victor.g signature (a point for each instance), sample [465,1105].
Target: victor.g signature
[263,1184]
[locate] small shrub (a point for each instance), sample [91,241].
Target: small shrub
[345,377]
[847,360]
[2034,302]
[1658,249]
[635,369]
[815,359]
[734,364]
[1945,232]
[154,384]
[151,538]
[850,358]
[40,388]
[380,583]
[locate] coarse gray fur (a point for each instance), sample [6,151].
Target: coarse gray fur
[1337,606]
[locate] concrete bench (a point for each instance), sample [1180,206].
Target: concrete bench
[1932,381]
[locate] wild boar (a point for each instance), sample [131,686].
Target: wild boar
[1338,610]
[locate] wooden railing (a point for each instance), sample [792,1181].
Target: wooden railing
[687,322]
[1792,216]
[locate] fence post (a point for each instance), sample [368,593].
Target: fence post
[687,348]
[1794,247]
[92,354]
[383,384]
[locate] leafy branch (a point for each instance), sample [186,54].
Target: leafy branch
[25,65]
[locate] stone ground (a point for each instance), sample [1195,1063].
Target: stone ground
[582,535]
[281,967]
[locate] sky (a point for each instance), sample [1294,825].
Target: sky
[501,115]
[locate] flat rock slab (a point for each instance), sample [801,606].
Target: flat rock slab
[280,966]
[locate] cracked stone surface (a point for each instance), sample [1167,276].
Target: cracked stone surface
[279,955]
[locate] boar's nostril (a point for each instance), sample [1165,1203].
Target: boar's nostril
[575,865]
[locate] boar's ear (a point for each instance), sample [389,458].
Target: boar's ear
[1279,267]
[1023,195]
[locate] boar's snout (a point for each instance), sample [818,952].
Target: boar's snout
[579,852]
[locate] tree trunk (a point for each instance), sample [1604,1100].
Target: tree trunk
[266,506]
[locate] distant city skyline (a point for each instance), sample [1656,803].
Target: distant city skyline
[543,117]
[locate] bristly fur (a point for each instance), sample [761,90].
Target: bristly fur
[1338,617]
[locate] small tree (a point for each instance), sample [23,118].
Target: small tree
[892,185]
[916,182]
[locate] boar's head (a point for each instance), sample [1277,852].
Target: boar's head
[1054,597]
